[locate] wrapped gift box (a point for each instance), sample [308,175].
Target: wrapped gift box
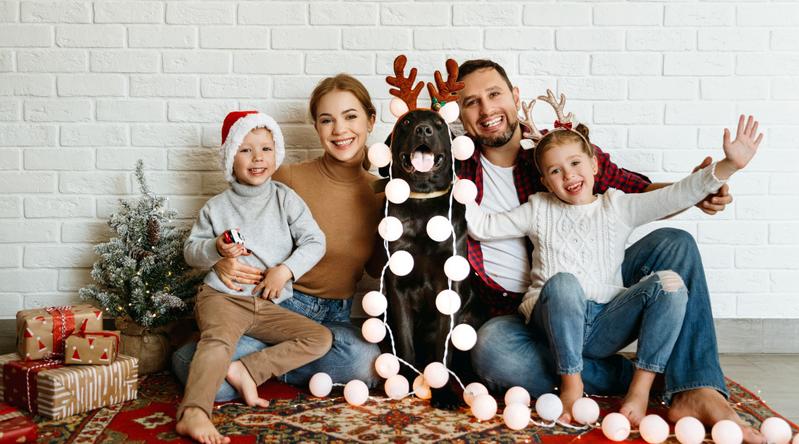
[56,391]
[41,332]
[95,348]
[15,426]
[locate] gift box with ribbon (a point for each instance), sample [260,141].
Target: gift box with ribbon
[56,391]
[92,347]
[42,332]
[15,426]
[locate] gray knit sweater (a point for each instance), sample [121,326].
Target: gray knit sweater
[276,225]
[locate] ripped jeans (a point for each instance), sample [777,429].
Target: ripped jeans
[651,311]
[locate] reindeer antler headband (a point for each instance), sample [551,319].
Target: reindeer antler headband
[563,122]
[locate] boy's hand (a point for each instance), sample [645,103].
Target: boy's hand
[741,150]
[230,250]
[273,282]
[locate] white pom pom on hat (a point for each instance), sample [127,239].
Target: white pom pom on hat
[235,128]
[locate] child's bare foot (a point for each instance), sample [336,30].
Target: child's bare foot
[710,407]
[197,425]
[571,389]
[241,380]
[634,406]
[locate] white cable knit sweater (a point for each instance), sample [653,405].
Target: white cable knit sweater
[588,240]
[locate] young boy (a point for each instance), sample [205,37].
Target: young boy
[282,237]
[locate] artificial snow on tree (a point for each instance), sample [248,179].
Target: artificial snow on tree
[141,273]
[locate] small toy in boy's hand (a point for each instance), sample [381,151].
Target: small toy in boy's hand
[233,236]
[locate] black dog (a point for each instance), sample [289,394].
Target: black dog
[421,153]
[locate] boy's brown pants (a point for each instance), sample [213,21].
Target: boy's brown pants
[223,319]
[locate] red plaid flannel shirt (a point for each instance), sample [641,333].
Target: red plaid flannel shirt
[528,181]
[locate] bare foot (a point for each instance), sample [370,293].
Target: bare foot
[569,393]
[634,406]
[241,380]
[710,407]
[195,424]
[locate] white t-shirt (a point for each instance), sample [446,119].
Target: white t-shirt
[506,261]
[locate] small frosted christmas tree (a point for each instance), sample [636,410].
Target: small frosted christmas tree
[141,273]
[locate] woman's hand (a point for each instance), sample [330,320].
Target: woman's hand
[231,271]
[273,282]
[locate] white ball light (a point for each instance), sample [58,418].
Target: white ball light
[396,387]
[436,375]
[379,154]
[484,407]
[464,337]
[776,430]
[462,147]
[374,303]
[397,107]
[548,407]
[464,191]
[689,430]
[472,391]
[654,429]
[397,191]
[517,395]
[400,263]
[727,432]
[320,385]
[356,392]
[421,389]
[450,112]
[616,427]
[585,411]
[448,302]
[387,365]
[456,268]
[438,228]
[516,416]
[373,330]
[390,228]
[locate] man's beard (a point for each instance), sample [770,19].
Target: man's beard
[500,140]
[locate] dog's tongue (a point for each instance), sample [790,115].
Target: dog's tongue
[423,162]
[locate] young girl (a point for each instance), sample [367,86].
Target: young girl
[576,296]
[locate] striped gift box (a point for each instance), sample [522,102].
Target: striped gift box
[56,391]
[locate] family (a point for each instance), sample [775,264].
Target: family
[559,311]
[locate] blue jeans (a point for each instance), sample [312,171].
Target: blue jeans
[508,353]
[577,327]
[351,357]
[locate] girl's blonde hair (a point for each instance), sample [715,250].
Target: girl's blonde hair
[341,82]
[559,137]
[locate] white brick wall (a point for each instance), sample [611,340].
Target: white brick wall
[87,87]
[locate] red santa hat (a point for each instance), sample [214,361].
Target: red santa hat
[235,128]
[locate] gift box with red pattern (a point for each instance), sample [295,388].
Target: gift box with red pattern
[15,426]
[42,332]
[56,391]
[92,347]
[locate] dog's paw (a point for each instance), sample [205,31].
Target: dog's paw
[446,399]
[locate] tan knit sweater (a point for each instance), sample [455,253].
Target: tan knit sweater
[347,210]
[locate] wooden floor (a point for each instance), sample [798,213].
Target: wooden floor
[773,377]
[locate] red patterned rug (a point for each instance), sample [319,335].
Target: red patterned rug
[295,416]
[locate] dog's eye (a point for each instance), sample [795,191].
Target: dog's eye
[406,122]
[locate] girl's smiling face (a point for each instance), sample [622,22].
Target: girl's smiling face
[568,172]
[343,124]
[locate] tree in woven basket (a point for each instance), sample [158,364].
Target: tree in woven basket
[141,273]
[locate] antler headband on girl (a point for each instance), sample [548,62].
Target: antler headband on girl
[563,122]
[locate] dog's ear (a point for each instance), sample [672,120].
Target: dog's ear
[384,171]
